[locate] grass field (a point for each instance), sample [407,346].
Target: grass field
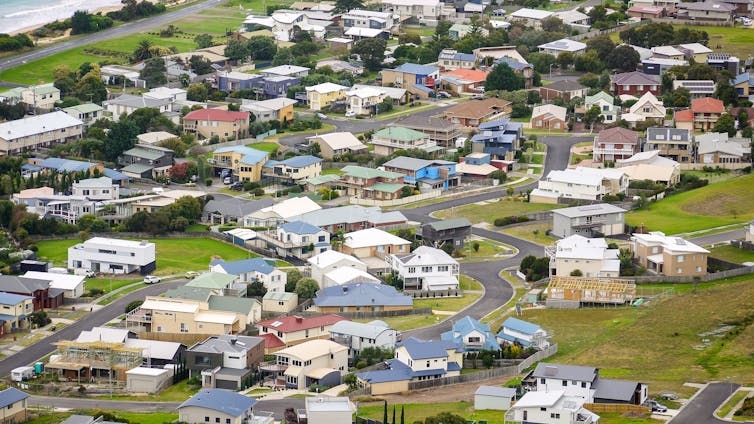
[468,283]
[724,203]
[534,232]
[738,41]
[732,254]
[265,146]
[174,256]
[132,417]
[660,343]
[487,250]
[175,393]
[452,304]
[732,403]
[488,211]
[407,322]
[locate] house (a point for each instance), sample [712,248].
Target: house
[320,362]
[667,52]
[451,60]
[279,109]
[697,51]
[474,112]
[697,88]
[235,81]
[658,66]
[365,100]
[390,139]
[218,406]
[293,330]
[424,173]
[296,239]
[579,256]
[426,268]
[285,71]
[499,138]
[38,97]
[281,212]
[453,231]
[463,81]
[442,132]
[530,17]
[716,148]
[743,7]
[35,131]
[409,75]
[251,270]
[550,407]
[643,11]
[294,169]
[549,117]
[472,335]
[651,166]
[606,104]
[113,256]
[673,143]
[458,31]
[232,209]
[347,275]
[724,62]
[322,264]
[16,310]
[357,336]
[705,113]
[279,302]
[415,360]
[647,107]
[45,203]
[601,218]
[368,183]
[667,255]
[154,137]
[87,113]
[220,283]
[126,104]
[565,90]
[360,18]
[373,245]
[707,10]
[523,69]
[742,84]
[72,286]
[337,144]
[225,124]
[322,96]
[101,188]
[574,19]
[424,12]
[13,402]
[183,316]
[493,398]
[244,163]
[353,218]
[523,333]
[580,183]
[615,143]
[361,296]
[147,380]
[634,83]
[332,410]
[155,158]
[563,45]
[491,54]
[225,361]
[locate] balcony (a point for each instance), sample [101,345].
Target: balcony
[272,238]
[139,315]
[606,151]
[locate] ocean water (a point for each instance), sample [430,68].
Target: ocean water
[18,14]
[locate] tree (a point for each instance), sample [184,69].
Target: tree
[565,59]
[201,65]
[577,273]
[197,92]
[623,58]
[726,124]
[261,48]
[203,41]
[256,289]
[236,50]
[542,61]
[283,57]
[602,44]
[122,136]
[39,319]
[445,418]
[90,87]
[154,72]
[442,29]
[552,24]
[80,22]
[342,6]
[133,305]
[588,61]
[502,77]
[402,415]
[143,50]
[384,413]
[293,277]
[371,51]
[306,288]
[725,91]
[593,116]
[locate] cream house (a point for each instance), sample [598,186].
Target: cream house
[163,315]
[321,362]
[579,256]
[323,95]
[292,330]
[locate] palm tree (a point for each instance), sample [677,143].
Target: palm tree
[142,51]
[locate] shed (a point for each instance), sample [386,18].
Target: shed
[147,380]
[493,397]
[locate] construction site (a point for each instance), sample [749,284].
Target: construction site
[87,361]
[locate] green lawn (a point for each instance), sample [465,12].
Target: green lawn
[255,5]
[732,403]
[133,417]
[713,177]
[422,31]
[105,284]
[488,211]
[408,322]
[420,411]
[175,393]
[332,171]
[534,232]
[724,203]
[174,256]
[732,253]
[265,146]
[468,283]
[487,250]
[615,418]
[447,303]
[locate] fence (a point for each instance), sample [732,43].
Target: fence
[433,294]
[700,166]
[591,34]
[620,408]
[371,314]
[141,236]
[744,270]
[396,202]
[702,22]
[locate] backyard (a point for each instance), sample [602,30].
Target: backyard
[408,322]
[738,41]
[488,211]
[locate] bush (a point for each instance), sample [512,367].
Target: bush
[258,192]
[509,220]
[133,305]
[208,182]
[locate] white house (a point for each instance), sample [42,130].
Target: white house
[493,398]
[442,357]
[516,331]
[112,256]
[426,268]
[321,362]
[552,407]
[373,245]
[580,183]
[101,188]
[530,17]
[329,410]
[362,101]
[357,336]
[425,11]
[72,285]
[346,275]
[359,18]
[253,269]
[297,239]
[588,256]
[42,96]
[646,107]
[128,103]
[562,46]
[281,212]
[322,264]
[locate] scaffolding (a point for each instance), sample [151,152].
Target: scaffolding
[591,290]
[98,355]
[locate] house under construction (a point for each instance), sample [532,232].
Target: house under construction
[85,361]
[573,292]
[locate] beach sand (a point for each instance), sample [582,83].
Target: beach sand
[29,29]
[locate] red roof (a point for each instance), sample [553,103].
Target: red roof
[216,115]
[467,74]
[707,105]
[618,135]
[685,115]
[271,341]
[296,323]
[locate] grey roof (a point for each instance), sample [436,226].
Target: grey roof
[351,214]
[565,372]
[362,294]
[565,85]
[663,134]
[225,401]
[232,372]
[191,293]
[619,390]
[15,284]
[78,419]
[588,210]
[712,6]
[504,392]
[369,330]
[241,305]
[130,100]
[233,207]
[425,122]
[141,152]
[449,224]
[224,343]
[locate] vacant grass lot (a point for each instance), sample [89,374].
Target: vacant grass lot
[488,211]
[724,203]
[174,256]
[420,411]
[452,304]
[534,232]
[265,146]
[407,322]
[487,250]
[175,393]
[660,343]
[737,41]
[732,254]
[132,417]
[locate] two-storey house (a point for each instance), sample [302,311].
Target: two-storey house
[329,261]
[357,336]
[606,104]
[14,312]
[113,256]
[43,297]
[293,330]
[251,270]
[225,361]
[372,246]
[370,183]
[426,268]
[88,113]
[428,174]
[323,95]
[580,256]
[580,183]
[293,170]
[472,335]
[34,131]
[648,107]
[225,124]
[244,163]
[702,116]
[499,138]
[390,139]
[588,220]
[667,255]
[321,362]
[672,143]
[615,143]
[523,333]
[634,83]
[101,189]
[550,407]
[296,239]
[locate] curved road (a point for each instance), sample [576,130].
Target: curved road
[701,409]
[127,28]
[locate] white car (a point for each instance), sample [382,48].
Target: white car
[321,116]
[191,274]
[151,279]
[350,114]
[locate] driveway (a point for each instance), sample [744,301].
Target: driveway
[700,410]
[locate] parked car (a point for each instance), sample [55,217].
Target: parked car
[477,97]
[237,186]
[191,274]
[443,95]
[350,114]
[151,279]
[656,407]
[227,180]
[321,116]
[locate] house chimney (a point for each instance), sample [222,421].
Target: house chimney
[299,319]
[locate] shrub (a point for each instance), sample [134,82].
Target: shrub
[508,220]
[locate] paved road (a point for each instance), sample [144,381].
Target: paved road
[720,237]
[45,347]
[702,407]
[104,403]
[129,28]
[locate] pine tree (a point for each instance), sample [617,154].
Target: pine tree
[402,416]
[393,414]
[384,413]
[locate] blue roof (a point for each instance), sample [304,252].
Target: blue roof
[513,64]
[115,175]
[465,326]
[251,156]
[398,371]
[10,396]
[512,339]
[415,68]
[31,167]
[521,326]
[466,57]
[221,400]
[299,227]
[498,124]
[244,265]
[68,165]
[740,78]
[362,294]
[453,366]
[12,299]
[7,318]
[423,88]
[424,349]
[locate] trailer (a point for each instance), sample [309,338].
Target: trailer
[22,373]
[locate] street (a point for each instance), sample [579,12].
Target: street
[702,407]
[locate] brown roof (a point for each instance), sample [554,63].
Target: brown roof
[477,109]
[707,105]
[618,135]
[296,323]
[684,115]
[564,85]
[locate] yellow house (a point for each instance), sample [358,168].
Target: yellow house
[323,95]
[164,315]
[14,310]
[244,162]
[13,403]
[294,169]
[280,109]
[696,50]
[225,124]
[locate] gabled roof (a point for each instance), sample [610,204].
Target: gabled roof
[13,299]
[565,85]
[239,305]
[339,140]
[12,283]
[425,255]
[243,266]
[565,372]
[234,207]
[635,78]
[588,210]
[369,330]
[564,45]
[416,69]
[618,135]
[471,75]
[299,227]
[685,115]
[449,224]
[617,390]
[347,274]
[327,87]
[557,112]
[368,173]
[520,326]
[526,13]
[362,294]
[331,257]
[709,5]
[697,48]
[427,349]
[37,124]
[221,400]
[293,323]
[250,156]
[295,161]
[212,280]
[477,109]
[372,237]
[707,105]
[400,134]
[216,115]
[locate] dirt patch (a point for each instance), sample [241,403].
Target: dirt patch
[453,393]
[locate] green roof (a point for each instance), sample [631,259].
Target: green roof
[386,188]
[400,134]
[85,108]
[278,296]
[449,224]
[45,89]
[601,95]
[322,179]
[144,153]
[13,92]
[137,168]
[362,172]
[432,149]
[189,293]
[212,280]
[240,305]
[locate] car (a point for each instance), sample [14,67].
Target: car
[151,279]
[656,407]
[237,186]
[350,114]
[227,180]
[477,97]
[443,95]
[321,116]
[191,274]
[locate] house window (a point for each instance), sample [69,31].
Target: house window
[679,270]
[680,258]
[411,270]
[206,419]
[565,383]
[583,384]
[541,381]
[426,269]
[184,328]
[698,269]
[217,419]
[543,409]
[427,364]
[442,268]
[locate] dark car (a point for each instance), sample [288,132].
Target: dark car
[237,186]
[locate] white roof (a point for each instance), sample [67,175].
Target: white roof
[674,244]
[666,51]
[103,334]
[425,255]
[571,16]
[539,398]
[588,210]
[312,349]
[648,97]
[154,348]
[347,274]
[725,147]
[580,247]
[57,281]
[643,171]
[367,13]
[650,157]
[155,137]
[241,76]
[364,92]
[151,372]
[329,404]
[284,70]
[558,112]
[331,257]
[339,140]
[526,13]
[364,32]
[564,45]
[260,20]
[292,207]
[467,168]
[37,124]
[116,242]
[696,48]
[412,2]
[584,176]
[370,330]
[217,317]
[242,233]
[372,237]
[166,305]
[327,87]
[286,17]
